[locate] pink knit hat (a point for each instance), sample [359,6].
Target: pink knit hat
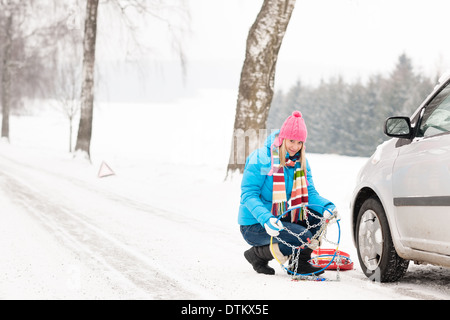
[293,128]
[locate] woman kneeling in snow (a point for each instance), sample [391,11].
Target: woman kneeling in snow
[275,175]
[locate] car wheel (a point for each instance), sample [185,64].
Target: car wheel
[376,252]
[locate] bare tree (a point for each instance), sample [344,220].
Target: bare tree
[6,76]
[27,53]
[257,78]
[67,93]
[87,87]
[67,86]
[137,7]
[14,56]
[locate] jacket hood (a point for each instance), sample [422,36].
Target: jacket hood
[270,139]
[268,144]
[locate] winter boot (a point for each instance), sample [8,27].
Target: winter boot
[304,267]
[259,258]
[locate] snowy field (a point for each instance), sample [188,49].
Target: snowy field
[165,225]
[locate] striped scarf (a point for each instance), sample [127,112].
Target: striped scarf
[299,195]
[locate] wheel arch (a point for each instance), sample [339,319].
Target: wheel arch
[363,194]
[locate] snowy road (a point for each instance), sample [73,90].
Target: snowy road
[67,234]
[72,214]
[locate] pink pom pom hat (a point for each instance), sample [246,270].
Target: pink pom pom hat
[293,128]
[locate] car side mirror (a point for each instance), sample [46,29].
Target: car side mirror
[398,127]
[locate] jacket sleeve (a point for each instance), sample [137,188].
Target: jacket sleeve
[315,200]
[253,180]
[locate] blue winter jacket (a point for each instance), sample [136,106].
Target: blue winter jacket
[256,187]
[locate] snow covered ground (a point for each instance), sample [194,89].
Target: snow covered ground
[165,225]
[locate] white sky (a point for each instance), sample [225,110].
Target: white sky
[354,38]
[325,38]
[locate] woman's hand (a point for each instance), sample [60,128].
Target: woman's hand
[273,227]
[333,216]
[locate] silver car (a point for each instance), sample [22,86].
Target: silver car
[400,209]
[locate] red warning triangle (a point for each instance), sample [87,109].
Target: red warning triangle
[105,170]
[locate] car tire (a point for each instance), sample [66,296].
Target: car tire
[376,252]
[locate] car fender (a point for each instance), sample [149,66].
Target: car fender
[375,179]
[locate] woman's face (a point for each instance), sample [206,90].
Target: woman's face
[293,146]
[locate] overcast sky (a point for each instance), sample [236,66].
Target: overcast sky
[325,38]
[354,38]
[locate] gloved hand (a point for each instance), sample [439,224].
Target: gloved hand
[314,244]
[333,216]
[273,227]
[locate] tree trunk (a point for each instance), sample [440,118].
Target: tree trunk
[70,133]
[257,79]
[87,91]
[6,78]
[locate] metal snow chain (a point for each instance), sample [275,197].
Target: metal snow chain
[322,222]
[321,234]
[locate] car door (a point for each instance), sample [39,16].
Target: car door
[421,180]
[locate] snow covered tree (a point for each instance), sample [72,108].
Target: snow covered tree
[257,79]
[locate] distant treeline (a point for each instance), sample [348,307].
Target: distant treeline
[348,118]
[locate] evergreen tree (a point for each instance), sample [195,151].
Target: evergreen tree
[399,85]
[348,119]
